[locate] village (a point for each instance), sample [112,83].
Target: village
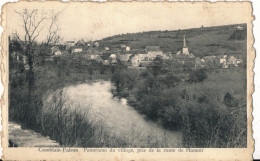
[143,57]
[137,58]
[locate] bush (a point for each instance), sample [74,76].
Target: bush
[230,101]
[197,76]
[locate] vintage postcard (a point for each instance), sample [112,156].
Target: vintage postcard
[127,81]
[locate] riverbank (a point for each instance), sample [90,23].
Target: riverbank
[26,103]
[200,109]
[118,119]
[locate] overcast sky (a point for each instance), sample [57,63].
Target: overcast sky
[92,21]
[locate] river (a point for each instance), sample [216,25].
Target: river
[118,118]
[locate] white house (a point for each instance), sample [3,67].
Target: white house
[239,28]
[96,44]
[124,57]
[239,61]
[76,49]
[58,52]
[94,56]
[69,44]
[153,52]
[123,46]
[232,61]
[54,49]
[105,62]
[138,58]
[223,60]
[112,56]
[127,48]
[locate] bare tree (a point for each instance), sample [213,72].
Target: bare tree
[53,37]
[33,24]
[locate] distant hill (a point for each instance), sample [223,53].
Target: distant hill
[204,41]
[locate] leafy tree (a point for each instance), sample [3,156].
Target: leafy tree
[156,67]
[197,76]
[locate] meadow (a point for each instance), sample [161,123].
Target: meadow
[204,41]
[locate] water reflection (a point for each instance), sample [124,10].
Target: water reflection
[119,119]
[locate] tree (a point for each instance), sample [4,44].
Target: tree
[197,75]
[33,24]
[156,67]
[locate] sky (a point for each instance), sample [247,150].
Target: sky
[96,20]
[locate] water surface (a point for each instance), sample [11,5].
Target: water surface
[118,118]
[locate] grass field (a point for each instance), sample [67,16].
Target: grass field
[218,84]
[201,41]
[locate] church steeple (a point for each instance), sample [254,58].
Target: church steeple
[185,49]
[184,42]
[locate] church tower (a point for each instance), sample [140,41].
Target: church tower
[185,49]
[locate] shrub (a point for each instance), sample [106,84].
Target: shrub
[230,101]
[197,76]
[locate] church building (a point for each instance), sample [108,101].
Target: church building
[183,60]
[185,49]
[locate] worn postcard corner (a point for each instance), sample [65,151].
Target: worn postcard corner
[127,81]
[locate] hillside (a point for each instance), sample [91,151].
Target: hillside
[201,41]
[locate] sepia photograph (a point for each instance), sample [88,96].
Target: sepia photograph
[118,75]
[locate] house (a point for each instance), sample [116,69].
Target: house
[24,59]
[69,44]
[124,57]
[112,56]
[105,62]
[80,43]
[127,48]
[107,48]
[137,59]
[240,61]
[198,63]
[99,59]
[153,52]
[94,56]
[113,61]
[209,59]
[211,62]
[58,53]
[239,28]
[232,61]
[183,59]
[96,44]
[54,49]
[123,46]
[223,59]
[76,49]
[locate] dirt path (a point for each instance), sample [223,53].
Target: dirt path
[19,137]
